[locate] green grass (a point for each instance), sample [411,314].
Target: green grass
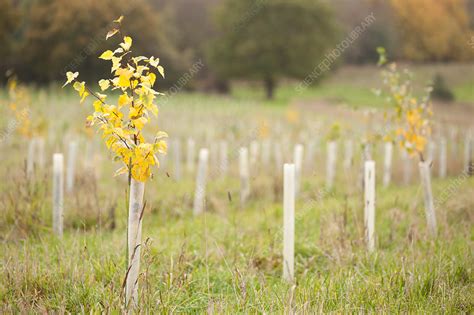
[353,86]
[465,92]
[229,260]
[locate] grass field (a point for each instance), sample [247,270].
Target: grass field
[229,260]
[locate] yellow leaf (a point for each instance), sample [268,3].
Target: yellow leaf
[123,99]
[139,122]
[107,55]
[124,77]
[154,62]
[111,33]
[122,170]
[104,84]
[161,147]
[161,70]
[119,20]
[70,77]
[154,109]
[133,113]
[115,63]
[97,106]
[127,43]
[110,141]
[79,87]
[161,134]
[84,95]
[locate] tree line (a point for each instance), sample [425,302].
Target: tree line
[249,39]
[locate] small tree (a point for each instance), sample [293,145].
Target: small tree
[267,40]
[440,90]
[412,118]
[122,129]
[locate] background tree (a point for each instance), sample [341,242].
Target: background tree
[434,30]
[191,27]
[267,40]
[381,32]
[9,23]
[57,36]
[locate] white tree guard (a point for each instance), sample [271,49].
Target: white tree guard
[298,162]
[71,166]
[244,175]
[289,222]
[58,193]
[443,157]
[369,204]
[201,178]
[387,169]
[134,237]
[428,196]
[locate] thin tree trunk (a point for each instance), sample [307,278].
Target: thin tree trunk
[289,222]
[269,87]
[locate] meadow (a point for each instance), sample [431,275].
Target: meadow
[229,258]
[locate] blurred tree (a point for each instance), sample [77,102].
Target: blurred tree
[191,28]
[64,35]
[381,32]
[440,90]
[9,23]
[267,40]
[434,30]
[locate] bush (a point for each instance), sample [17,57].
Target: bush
[440,90]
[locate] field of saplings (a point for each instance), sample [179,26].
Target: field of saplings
[253,208]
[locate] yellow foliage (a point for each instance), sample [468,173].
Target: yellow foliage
[435,30]
[122,124]
[411,116]
[19,100]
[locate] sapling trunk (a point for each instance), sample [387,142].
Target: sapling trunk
[298,161]
[134,235]
[424,167]
[71,166]
[387,170]
[331,164]
[200,193]
[431,152]
[366,156]
[58,193]
[289,222]
[244,176]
